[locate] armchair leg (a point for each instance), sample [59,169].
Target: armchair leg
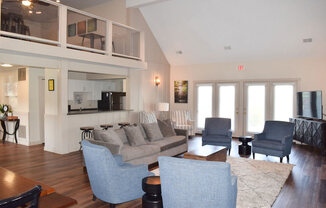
[94,197]
[229,151]
[112,205]
[281,159]
[288,158]
[253,155]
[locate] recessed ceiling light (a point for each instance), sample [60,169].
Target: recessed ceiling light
[26,3]
[179,52]
[58,1]
[227,47]
[307,40]
[6,65]
[30,11]
[38,12]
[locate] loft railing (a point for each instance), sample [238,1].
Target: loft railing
[48,22]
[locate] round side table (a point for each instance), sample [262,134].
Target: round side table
[152,187]
[245,148]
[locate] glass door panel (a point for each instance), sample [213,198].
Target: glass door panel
[283,101]
[256,108]
[227,102]
[204,104]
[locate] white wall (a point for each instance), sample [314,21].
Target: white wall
[35,136]
[310,72]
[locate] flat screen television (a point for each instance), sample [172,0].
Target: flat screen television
[309,104]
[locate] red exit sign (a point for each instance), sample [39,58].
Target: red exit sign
[240,67]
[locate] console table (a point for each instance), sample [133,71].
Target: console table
[4,127]
[311,132]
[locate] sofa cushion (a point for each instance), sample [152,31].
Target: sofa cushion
[122,135]
[166,128]
[268,144]
[134,135]
[130,153]
[153,132]
[170,142]
[108,136]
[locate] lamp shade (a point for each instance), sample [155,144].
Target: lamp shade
[162,107]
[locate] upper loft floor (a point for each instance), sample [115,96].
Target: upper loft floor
[52,29]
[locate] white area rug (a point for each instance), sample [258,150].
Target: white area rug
[259,182]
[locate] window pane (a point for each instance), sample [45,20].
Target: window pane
[227,103]
[125,41]
[256,108]
[204,104]
[85,31]
[39,19]
[283,102]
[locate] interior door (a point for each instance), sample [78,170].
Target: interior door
[255,107]
[228,104]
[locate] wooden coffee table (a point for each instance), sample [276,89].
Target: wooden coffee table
[208,152]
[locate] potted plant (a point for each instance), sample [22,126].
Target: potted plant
[4,110]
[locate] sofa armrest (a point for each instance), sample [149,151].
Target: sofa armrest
[230,133]
[181,132]
[118,159]
[114,148]
[234,184]
[204,133]
[259,136]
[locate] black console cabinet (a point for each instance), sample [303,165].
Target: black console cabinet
[311,132]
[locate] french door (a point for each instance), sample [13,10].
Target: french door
[228,103]
[255,108]
[247,103]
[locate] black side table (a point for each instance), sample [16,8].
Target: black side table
[152,187]
[4,128]
[244,148]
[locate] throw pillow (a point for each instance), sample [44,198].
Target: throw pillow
[134,135]
[122,135]
[96,134]
[153,132]
[108,136]
[166,128]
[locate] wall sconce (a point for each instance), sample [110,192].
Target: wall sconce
[157,81]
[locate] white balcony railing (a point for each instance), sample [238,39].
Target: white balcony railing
[48,22]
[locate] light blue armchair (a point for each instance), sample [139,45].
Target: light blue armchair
[111,179]
[194,183]
[217,132]
[276,140]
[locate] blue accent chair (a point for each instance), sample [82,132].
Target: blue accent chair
[217,132]
[189,183]
[111,179]
[276,140]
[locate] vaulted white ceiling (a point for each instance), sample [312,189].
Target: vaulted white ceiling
[255,29]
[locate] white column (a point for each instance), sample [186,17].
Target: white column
[63,26]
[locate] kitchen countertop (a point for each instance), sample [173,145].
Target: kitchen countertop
[77,112]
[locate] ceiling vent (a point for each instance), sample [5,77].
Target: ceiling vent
[307,40]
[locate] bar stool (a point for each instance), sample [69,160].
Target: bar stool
[86,132]
[106,126]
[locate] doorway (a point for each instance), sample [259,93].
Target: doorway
[41,87]
[247,103]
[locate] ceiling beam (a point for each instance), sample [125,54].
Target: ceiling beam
[141,3]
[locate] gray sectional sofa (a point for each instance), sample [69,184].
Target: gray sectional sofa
[149,152]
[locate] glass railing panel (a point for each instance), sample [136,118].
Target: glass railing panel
[125,41]
[85,31]
[30,18]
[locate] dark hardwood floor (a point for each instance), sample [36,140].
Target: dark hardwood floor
[305,187]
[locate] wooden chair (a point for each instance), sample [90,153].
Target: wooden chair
[30,198]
